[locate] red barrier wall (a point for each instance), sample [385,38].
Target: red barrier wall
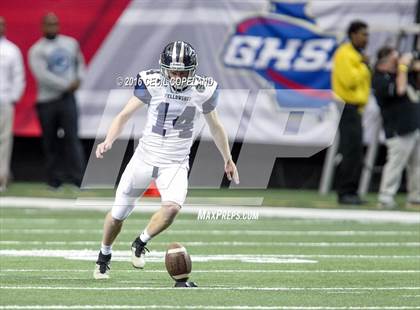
[89,21]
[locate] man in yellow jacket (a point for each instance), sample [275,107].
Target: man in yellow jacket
[351,81]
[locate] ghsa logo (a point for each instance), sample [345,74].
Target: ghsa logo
[285,47]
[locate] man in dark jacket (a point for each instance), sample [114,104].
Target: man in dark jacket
[401,121]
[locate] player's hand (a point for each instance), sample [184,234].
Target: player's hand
[231,171]
[102,148]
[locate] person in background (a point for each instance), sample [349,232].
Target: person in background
[351,80]
[58,65]
[12,84]
[401,122]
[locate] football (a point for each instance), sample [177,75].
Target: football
[178,262]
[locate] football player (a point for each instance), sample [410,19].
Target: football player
[175,97]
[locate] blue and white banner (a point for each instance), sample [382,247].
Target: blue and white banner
[272,60]
[288,51]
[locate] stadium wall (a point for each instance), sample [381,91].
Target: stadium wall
[287,173]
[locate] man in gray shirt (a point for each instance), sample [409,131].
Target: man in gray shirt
[57,64]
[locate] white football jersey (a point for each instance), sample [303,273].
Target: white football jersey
[171,117]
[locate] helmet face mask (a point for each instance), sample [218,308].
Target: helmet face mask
[178,63]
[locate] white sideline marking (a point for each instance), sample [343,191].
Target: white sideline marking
[244,288]
[230,244]
[66,231]
[154,256]
[225,271]
[30,307]
[271,212]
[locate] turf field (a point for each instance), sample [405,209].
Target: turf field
[47,258]
[270,197]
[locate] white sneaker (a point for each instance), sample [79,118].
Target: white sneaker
[138,250]
[387,205]
[102,267]
[98,274]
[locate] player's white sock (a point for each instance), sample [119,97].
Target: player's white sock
[145,237]
[106,249]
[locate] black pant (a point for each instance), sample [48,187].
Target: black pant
[351,149]
[53,115]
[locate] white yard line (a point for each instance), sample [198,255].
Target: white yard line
[244,288]
[45,220]
[229,231]
[234,244]
[216,232]
[192,307]
[61,278]
[155,256]
[270,212]
[410,271]
[135,220]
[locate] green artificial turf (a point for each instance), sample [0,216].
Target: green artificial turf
[269,197]
[256,264]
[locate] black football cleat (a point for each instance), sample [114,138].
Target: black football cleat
[102,267]
[138,250]
[185,284]
[350,200]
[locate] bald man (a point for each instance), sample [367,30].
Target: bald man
[58,65]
